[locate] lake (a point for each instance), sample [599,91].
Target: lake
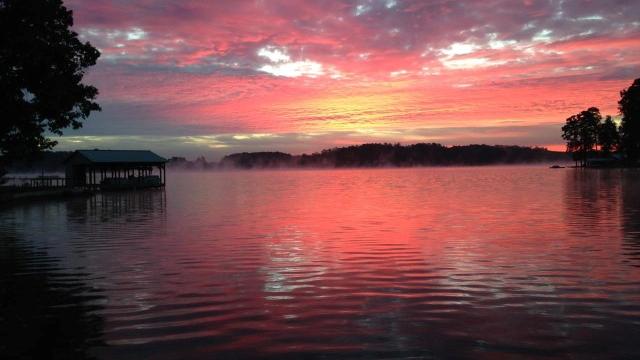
[476,262]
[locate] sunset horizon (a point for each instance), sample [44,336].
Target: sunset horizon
[209,79]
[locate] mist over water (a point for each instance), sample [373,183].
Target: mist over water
[378,263]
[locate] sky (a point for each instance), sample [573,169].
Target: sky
[190,78]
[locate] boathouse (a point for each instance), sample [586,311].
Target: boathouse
[115,169]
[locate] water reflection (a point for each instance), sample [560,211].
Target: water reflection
[605,204]
[394,263]
[593,199]
[108,206]
[55,291]
[47,312]
[630,216]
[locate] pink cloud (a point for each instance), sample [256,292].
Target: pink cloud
[376,67]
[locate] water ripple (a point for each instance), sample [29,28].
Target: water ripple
[496,262]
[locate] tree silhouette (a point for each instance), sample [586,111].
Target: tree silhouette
[629,106]
[42,64]
[581,133]
[571,134]
[608,137]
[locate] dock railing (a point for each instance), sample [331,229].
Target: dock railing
[23,183]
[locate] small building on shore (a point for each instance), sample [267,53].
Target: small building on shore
[115,169]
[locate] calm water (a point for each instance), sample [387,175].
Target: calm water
[478,263]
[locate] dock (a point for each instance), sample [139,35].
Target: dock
[90,171]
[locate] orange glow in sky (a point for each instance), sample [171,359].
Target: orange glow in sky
[210,78]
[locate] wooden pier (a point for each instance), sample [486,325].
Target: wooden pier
[26,183]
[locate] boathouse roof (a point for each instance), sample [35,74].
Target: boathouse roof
[117,157]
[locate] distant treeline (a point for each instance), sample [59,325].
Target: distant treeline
[381,155]
[366,155]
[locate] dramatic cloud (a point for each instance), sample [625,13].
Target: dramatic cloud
[211,77]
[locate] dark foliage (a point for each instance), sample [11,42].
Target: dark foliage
[48,162]
[374,155]
[581,133]
[608,136]
[380,155]
[629,106]
[585,131]
[42,64]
